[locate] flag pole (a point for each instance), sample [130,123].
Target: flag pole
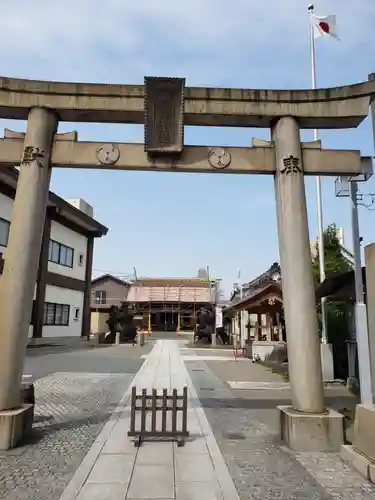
[318,188]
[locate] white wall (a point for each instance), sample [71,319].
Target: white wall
[74,298]
[6,206]
[78,242]
[54,294]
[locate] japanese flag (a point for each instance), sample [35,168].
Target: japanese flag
[324,26]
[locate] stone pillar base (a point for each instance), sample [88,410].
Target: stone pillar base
[15,425]
[326,355]
[311,431]
[362,464]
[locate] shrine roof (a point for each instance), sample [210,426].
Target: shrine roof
[259,285]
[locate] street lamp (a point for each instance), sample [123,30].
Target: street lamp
[348,187]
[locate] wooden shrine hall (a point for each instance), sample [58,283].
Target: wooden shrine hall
[170,304]
[261,300]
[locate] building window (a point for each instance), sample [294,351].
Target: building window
[60,254]
[4,232]
[56,314]
[100,297]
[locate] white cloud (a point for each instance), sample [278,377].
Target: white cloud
[205,40]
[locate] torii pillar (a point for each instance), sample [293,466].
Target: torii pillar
[20,271]
[307,424]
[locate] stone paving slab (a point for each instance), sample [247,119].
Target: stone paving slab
[94,491]
[208,357]
[151,481]
[203,490]
[257,386]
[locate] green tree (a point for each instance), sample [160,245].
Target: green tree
[336,259]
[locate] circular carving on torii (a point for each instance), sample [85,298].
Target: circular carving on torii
[219,158]
[108,154]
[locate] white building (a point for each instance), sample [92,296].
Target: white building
[63,289]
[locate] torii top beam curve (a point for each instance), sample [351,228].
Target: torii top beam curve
[339,107]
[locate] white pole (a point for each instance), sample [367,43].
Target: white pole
[318,191]
[364,363]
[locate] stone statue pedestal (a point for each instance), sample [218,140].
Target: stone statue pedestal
[311,431]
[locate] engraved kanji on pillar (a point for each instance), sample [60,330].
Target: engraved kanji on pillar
[31,154]
[290,165]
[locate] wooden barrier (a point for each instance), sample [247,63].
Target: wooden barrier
[155,403]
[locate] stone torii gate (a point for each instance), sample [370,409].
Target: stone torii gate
[165,105]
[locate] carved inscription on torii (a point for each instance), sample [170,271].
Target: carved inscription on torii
[164,116]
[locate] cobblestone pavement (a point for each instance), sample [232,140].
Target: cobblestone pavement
[261,467]
[71,409]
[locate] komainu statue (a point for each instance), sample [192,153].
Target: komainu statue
[205,325]
[121,319]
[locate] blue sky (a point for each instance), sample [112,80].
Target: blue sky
[169,224]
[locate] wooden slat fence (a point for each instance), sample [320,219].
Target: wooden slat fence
[154,403]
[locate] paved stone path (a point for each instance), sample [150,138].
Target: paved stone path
[114,469]
[81,450]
